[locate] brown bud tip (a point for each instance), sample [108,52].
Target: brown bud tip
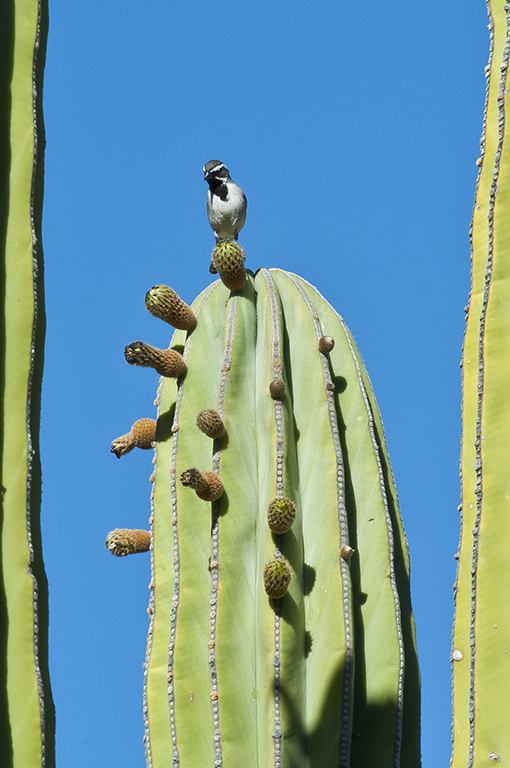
[123,541]
[281,513]
[277,389]
[163,302]
[166,362]
[277,578]
[326,344]
[228,260]
[207,485]
[210,423]
[122,445]
[346,552]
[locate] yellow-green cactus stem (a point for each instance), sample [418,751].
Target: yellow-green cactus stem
[328,675]
[277,576]
[26,708]
[163,302]
[207,485]
[281,513]
[127,541]
[277,389]
[210,423]
[481,636]
[166,362]
[228,260]
[326,344]
[142,435]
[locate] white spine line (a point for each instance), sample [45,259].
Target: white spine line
[280,454]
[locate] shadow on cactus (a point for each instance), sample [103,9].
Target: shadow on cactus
[286,647]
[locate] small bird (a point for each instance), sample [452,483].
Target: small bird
[226,202]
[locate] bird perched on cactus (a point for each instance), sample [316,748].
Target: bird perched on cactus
[226,203]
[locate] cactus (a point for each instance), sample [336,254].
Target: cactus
[26,708]
[293,646]
[481,639]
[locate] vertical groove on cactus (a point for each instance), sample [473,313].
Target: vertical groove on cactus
[233,677]
[482,627]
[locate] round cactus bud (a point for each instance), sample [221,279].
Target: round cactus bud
[228,260]
[123,541]
[166,362]
[326,344]
[207,485]
[163,302]
[210,423]
[346,552]
[281,513]
[277,389]
[277,578]
[142,435]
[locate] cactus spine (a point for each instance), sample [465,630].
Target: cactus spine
[327,674]
[481,641]
[26,709]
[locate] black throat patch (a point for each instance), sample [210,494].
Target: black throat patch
[219,188]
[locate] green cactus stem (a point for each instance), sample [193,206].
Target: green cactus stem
[481,639]
[163,302]
[127,541]
[26,707]
[326,674]
[166,362]
[141,435]
[228,261]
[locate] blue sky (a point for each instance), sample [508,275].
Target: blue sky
[354,129]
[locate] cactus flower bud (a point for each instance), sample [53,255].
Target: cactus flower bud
[142,435]
[326,344]
[277,389]
[207,485]
[281,513]
[346,552]
[163,302]
[166,362]
[123,541]
[228,260]
[277,576]
[210,423]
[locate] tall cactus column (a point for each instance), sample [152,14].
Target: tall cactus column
[481,652]
[26,709]
[245,668]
